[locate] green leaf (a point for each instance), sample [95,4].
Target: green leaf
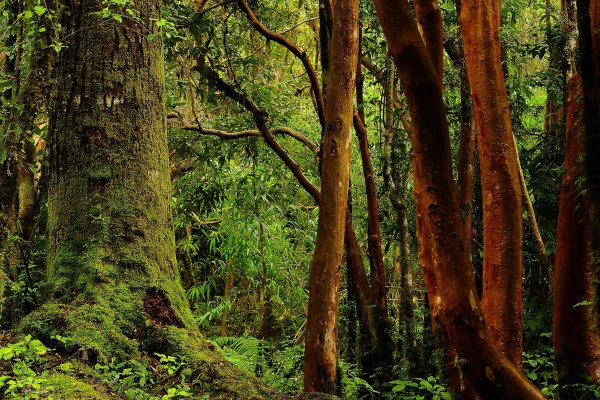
[39,10]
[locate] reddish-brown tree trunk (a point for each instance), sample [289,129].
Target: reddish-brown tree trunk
[361,289]
[466,149]
[438,215]
[502,200]
[576,346]
[378,278]
[321,353]
[374,226]
[588,23]
[429,15]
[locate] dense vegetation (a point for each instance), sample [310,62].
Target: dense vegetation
[470,173]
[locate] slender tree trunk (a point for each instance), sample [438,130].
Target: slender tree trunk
[262,289]
[378,278]
[361,289]
[391,170]
[28,99]
[321,353]
[502,199]
[374,227]
[224,331]
[438,213]
[545,270]
[466,149]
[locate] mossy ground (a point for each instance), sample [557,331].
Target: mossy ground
[68,387]
[201,374]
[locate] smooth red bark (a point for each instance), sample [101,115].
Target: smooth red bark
[502,200]
[576,346]
[438,215]
[321,353]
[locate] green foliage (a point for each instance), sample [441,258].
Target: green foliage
[539,367]
[135,381]
[420,389]
[19,368]
[279,365]
[353,386]
[30,370]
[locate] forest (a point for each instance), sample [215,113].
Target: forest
[300,199]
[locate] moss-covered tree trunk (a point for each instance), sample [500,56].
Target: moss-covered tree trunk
[113,288]
[112,276]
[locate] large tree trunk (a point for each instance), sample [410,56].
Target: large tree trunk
[113,286]
[502,200]
[111,246]
[588,22]
[321,353]
[576,346]
[438,213]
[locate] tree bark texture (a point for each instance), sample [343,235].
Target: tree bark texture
[113,286]
[321,353]
[502,199]
[466,149]
[429,15]
[374,226]
[576,345]
[109,227]
[492,375]
[588,23]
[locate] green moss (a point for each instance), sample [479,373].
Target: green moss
[66,387]
[102,171]
[3,284]
[98,328]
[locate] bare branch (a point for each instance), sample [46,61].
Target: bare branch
[280,130]
[300,54]
[260,118]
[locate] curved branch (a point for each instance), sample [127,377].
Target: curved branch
[300,54]
[374,69]
[280,130]
[260,117]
